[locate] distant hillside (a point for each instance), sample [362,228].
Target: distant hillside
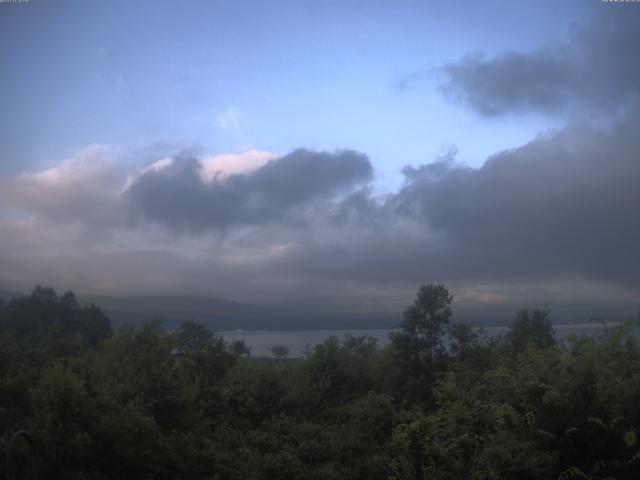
[7,295]
[227,315]
[561,313]
[221,314]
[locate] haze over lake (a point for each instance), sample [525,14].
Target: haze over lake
[299,342]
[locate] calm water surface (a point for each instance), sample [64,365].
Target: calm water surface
[297,341]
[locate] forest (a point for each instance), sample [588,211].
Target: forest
[441,401]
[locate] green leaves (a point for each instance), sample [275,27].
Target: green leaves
[150,403]
[419,348]
[530,327]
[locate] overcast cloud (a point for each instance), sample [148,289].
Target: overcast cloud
[560,211]
[596,70]
[558,207]
[179,197]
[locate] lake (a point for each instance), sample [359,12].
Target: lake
[297,341]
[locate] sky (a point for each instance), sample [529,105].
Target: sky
[339,153]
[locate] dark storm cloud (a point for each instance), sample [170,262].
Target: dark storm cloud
[563,206]
[178,197]
[559,205]
[597,69]
[560,210]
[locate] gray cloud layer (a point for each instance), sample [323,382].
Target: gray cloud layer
[562,208]
[178,197]
[597,69]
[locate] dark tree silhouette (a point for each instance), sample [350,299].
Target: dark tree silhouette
[279,351]
[419,346]
[530,327]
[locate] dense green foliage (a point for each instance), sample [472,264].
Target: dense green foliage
[440,402]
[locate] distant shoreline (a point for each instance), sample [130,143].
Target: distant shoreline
[297,341]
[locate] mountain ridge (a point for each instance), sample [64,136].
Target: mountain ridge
[222,314]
